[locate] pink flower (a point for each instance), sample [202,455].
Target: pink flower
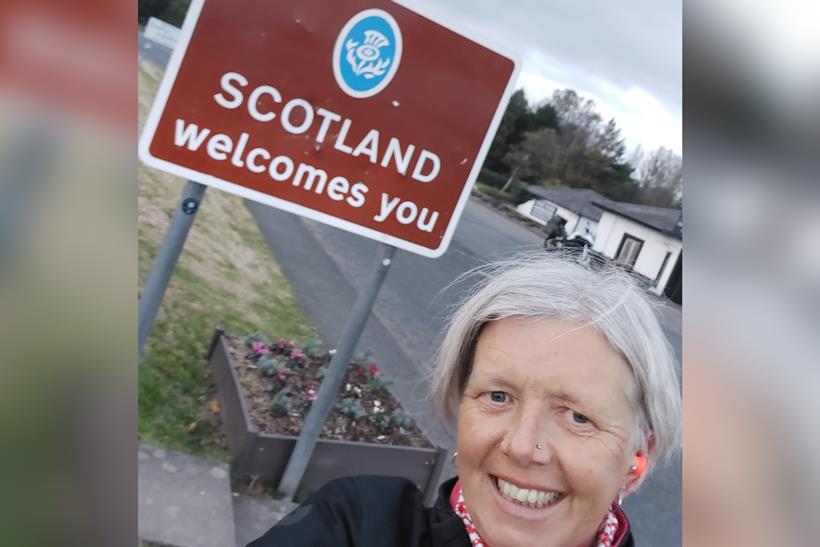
[284,344]
[311,394]
[260,348]
[296,353]
[283,374]
[374,370]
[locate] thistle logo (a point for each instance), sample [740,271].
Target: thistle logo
[367,53]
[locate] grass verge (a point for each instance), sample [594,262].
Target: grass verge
[226,276]
[496,193]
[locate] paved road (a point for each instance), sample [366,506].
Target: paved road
[327,266]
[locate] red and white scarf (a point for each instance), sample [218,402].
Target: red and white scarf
[610,527]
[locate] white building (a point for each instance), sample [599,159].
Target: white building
[573,205]
[643,239]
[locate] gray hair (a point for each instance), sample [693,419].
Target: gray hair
[556,286]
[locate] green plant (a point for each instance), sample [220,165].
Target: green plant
[297,358]
[269,367]
[380,421]
[310,396]
[401,419]
[284,346]
[362,358]
[281,404]
[371,376]
[377,384]
[314,349]
[351,408]
[497,193]
[255,337]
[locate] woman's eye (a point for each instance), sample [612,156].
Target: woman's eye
[577,418]
[498,397]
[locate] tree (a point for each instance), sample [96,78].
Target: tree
[575,148]
[150,8]
[519,119]
[175,13]
[170,11]
[510,130]
[544,115]
[621,185]
[609,141]
[567,142]
[533,159]
[579,122]
[660,176]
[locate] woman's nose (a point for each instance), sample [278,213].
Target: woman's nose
[526,441]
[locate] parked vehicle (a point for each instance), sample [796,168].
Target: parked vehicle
[577,243]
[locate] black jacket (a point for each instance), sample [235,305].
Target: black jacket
[373,512]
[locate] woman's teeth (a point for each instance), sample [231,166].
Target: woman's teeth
[524,496]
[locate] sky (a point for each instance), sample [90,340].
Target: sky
[625,55]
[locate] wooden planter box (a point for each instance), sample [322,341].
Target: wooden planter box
[264,456]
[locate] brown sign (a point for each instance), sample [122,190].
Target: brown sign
[368,116]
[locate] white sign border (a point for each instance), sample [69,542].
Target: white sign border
[167,84]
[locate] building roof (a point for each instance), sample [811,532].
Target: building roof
[665,220]
[591,204]
[577,200]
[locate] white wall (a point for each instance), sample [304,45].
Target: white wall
[571,218]
[611,230]
[526,210]
[587,227]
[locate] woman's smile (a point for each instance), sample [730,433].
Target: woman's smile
[514,501]
[528,497]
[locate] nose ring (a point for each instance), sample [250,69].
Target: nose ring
[538,446]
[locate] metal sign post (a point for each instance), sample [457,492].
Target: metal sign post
[300,456]
[166,260]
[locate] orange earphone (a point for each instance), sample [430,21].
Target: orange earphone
[640,465]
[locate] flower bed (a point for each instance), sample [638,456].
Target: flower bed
[281,380]
[265,391]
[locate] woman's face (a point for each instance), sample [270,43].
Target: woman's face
[543,383]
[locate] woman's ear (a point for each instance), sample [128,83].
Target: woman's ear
[638,469]
[635,473]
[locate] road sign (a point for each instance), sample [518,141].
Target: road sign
[161,32]
[369,116]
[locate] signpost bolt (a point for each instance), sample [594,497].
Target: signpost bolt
[189,206]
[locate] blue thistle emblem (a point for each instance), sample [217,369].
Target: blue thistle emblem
[367,53]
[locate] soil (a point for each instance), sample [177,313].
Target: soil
[280,378]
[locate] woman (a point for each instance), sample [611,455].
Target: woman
[563,389]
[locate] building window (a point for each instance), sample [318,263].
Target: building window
[543,210]
[628,252]
[663,266]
